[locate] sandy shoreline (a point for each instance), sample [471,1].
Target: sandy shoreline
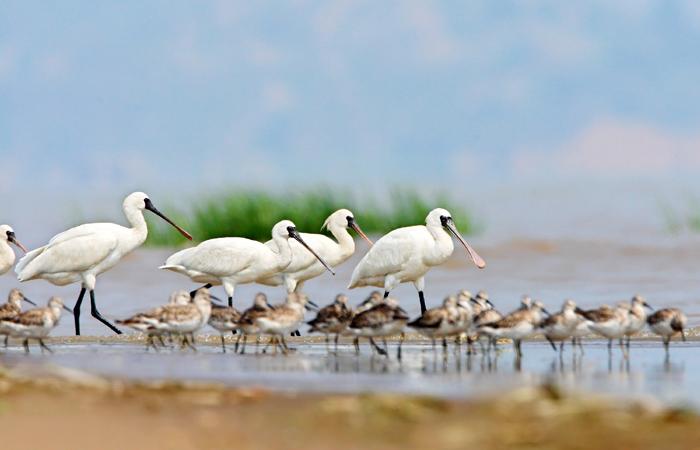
[74,410]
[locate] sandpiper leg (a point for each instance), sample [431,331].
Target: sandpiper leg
[337,336]
[245,339]
[398,351]
[682,335]
[223,344]
[376,347]
[628,342]
[551,343]
[356,343]
[7,337]
[561,347]
[44,347]
[235,348]
[26,346]
[96,314]
[76,311]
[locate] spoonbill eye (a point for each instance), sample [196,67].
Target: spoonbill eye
[443,220]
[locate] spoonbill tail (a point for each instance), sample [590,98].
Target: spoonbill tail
[406,254]
[7,255]
[83,252]
[234,260]
[304,266]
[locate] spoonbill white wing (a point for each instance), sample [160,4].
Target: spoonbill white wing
[388,255]
[73,251]
[216,257]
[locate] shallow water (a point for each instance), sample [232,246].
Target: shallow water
[646,373]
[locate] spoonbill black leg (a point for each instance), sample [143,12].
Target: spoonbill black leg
[76,311]
[96,314]
[421,297]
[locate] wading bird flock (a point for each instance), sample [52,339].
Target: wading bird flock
[290,259]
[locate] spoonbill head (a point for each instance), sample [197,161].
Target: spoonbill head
[81,253]
[7,256]
[234,260]
[304,266]
[406,254]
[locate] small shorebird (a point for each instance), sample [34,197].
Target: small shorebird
[667,323]
[233,260]
[36,323]
[609,323]
[562,325]
[440,322]
[224,319]
[146,323]
[247,323]
[80,254]
[407,254]
[333,318]
[11,309]
[7,255]
[385,319]
[484,314]
[283,319]
[304,266]
[636,317]
[184,320]
[517,325]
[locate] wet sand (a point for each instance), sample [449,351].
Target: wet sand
[62,409]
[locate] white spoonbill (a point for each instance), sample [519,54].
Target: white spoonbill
[304,266]
[233,260]
[81,253]
[406,254]
[7,255]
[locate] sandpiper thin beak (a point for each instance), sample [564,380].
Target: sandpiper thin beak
[67,309]
[544,310]
[358,230]
[579,311]
[13,239]
[293,233]
[478,260]
[154,210]
[29,301]
[647,305]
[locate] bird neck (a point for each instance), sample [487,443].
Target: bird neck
[138,223]
[344,239]
[7,255]
[284,251]
[443,247]
[55,312]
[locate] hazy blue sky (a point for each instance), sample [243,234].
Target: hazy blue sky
[133,94]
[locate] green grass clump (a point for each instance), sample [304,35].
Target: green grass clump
[252,213]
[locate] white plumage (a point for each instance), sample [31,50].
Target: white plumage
[7,255]
[232,261]
[80,254]
[304,266]
[406,254]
